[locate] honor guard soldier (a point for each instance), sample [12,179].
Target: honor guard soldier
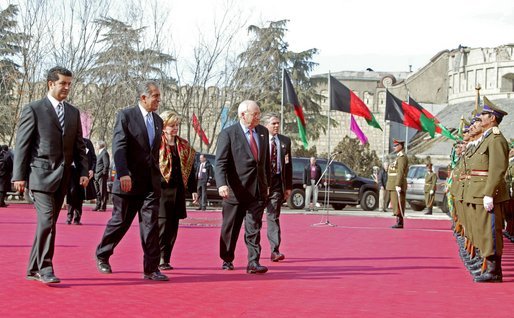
[509,178]
[397,182]
[430,187]
[486,192]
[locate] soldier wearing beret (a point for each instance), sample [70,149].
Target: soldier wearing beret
[397,182]
[486,192]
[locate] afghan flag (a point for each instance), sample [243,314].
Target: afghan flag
[431,124]
[289,97]
[343,99]
[357,131]
[199,130]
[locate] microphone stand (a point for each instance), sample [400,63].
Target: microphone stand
[325,221]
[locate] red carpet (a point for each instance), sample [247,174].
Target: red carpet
[361,268]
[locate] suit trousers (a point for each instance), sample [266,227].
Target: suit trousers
[125,208]
[168,222]
[202,194]
[48,205]
[276,199]
[311,189]
[250,212]
[101,192]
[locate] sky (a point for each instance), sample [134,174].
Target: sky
[353,35]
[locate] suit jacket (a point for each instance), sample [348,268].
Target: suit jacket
[44,153]
[247,178]
[132,153]
[91,163]
[286,162]
[307,174]
[102,164]
[206,176]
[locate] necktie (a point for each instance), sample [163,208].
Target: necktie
[149,128]
[273,156]
[60,115]
[253,145]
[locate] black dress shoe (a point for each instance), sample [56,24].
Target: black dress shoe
[77,223]
[156,276]
[33,276]
[227,266]
[68,222]
[3,205]
[95,209]
[49,278]
[103,266]
[165,267]
[276,256]
[101,210]
[488,278]
[256,268]
[397,226]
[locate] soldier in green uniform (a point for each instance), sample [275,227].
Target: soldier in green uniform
[430,187]
[397,182]
[486,192]
[509,213]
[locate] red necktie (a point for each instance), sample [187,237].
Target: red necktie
[253,145]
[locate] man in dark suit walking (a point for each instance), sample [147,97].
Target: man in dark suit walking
[48,141]
[281,181]
[137,186]
[102,173]
[243,177]
[5,174]
[204,178]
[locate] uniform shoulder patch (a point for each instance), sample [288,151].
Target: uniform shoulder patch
[496,130]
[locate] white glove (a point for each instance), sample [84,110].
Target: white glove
[488,203]
[398,189]
[431,192]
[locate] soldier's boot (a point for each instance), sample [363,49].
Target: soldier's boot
[399,223]
[493,273]
[429,211]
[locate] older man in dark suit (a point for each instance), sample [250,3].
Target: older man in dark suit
[102,173]
[281,181]
[243,177]
[48,141]
[137,186]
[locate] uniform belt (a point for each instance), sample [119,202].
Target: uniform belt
[392,174]
[463,177]
[479,173]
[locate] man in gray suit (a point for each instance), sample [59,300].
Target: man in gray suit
[48,141]
[137,187]
[243,177]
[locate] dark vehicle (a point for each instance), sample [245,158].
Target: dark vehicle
[344,186]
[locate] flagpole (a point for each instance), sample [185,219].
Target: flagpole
[282,104]
[407,128]
[328,115]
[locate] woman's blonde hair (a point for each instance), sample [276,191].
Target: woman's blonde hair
[170,118]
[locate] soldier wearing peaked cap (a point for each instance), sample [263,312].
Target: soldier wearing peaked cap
[397,182]
[486,192]
[509,178]
[430,187]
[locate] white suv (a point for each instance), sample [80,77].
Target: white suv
[416,184]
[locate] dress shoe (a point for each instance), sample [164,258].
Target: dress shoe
[256,268]
[49,278]
[68,222]
[428,213]
[77,223]
[101,210]
[33,276]
[156,276]
[198,209]
[103,266]
[95,209]
[276,256]
[488,278]
[165,267]
[397,226]
[227,266]
[3,205]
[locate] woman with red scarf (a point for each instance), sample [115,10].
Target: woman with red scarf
[177,165]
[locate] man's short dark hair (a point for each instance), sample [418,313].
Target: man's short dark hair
[53,73]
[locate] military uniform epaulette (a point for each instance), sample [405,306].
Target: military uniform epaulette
[496,130]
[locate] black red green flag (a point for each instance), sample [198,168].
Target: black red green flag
[401,112]
[290,97]
[343,99]
[432,124]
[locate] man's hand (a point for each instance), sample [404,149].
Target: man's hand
[91,174]
[431,192]
[84,181]
[304,186]
[208,184]
[195,197]
[19,186]
[287,193]
[398,189]
[223,191]
[126,183]
[488,203]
